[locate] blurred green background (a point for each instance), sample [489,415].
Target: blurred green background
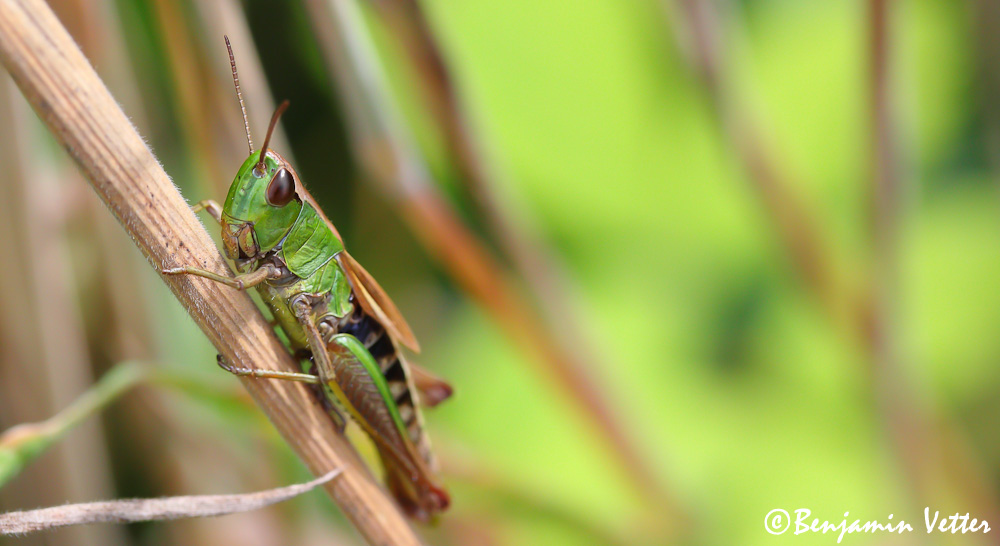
[685,307]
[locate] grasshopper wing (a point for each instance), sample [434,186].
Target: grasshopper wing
[376,302]
[360,385]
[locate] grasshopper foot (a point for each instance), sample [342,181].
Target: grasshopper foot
[225,365]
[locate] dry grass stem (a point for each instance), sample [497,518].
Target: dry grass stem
[72,101]
[135,510]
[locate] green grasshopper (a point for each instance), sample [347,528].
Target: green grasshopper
[337,318]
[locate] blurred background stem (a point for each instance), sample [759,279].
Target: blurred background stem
[391,159]
[700,27]
[916,434]
[23,443]
[928,444]
[46,364]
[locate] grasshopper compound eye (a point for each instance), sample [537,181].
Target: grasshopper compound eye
[281,189]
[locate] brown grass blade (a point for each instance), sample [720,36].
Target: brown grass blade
[161,509]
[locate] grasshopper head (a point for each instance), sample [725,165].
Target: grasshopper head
[261,207]
[262,204]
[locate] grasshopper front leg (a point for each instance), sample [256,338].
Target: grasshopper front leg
[239,282]
[209,206]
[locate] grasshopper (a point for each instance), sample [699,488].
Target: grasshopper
[338,320]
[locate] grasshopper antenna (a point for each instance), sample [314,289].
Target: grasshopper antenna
[270,129]
[239,94]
